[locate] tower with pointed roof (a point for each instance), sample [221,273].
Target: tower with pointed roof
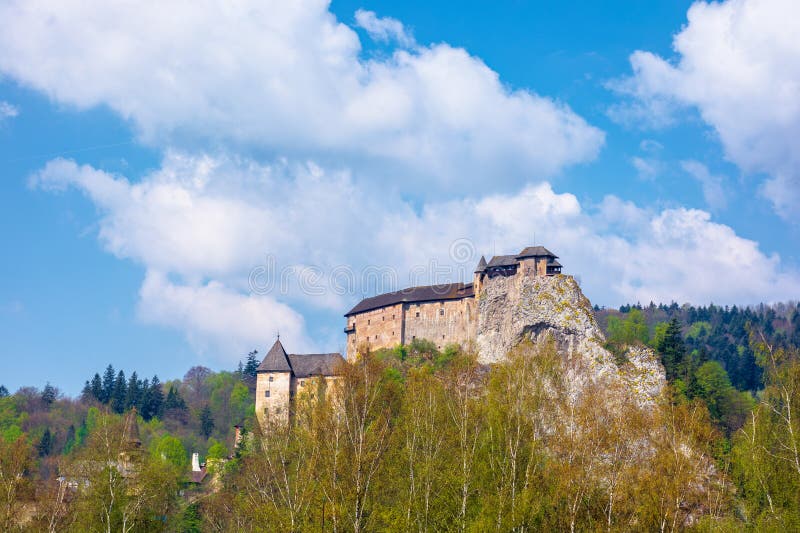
[281,375]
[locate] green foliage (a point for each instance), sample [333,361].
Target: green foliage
[632,330]
[171,450]
[216,450]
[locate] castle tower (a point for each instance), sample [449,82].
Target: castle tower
[478,279]
[274,386]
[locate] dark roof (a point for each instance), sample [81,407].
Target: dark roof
[315,364]
[535,251]
[553,263]
[431,293]
[197,476]
[481,265]
[276,360]
[502,260]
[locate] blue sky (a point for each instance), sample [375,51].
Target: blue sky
[157,162]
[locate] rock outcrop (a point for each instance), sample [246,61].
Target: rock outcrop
[512,309]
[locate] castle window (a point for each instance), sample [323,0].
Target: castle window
[270,379]
[442,337]
[392,317]
[376,337]
[417,314]
[441,312]
[266,394]
[368,322]
[393,334]
[413,337]
[302,383]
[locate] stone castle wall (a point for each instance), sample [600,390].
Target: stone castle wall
[274,406]
[443,322]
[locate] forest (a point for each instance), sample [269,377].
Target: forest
[419,439]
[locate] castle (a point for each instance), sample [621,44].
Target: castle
[281,377]
[444,314]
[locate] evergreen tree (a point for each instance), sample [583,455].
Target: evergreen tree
[174,400]
[155,400]
[49,394]
[3,391]
[108,384]
[119,393]
[143,405]
[673,351]
[206,421]
[97,388]
[45,443]
[86,393]
[251,365]
[133,392]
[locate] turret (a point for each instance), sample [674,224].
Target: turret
[477,283]
[274,385]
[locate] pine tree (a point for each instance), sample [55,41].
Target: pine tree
[49,394]
[3,391]
[206,421]
[97,388]
[108,384]
[119,393]
[174,400]
[251,366]
[155,399]
[45,443]
[133,392]
[673,351]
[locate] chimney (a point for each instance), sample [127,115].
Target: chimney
[195,462]
[237,439]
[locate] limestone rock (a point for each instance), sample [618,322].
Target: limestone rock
[515,308]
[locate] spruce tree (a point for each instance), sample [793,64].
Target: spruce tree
[97,388]
[673,351]
[206,421]
[119,393]
[133,392]
[155,399]
[108,384]
[251,365]
[174,400]
[3,391]
[49,394]
[45,443]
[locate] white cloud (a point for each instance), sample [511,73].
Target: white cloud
[7,111]
[201,224]
[739,64]
[215,318]
[713,185]
[384,29]
[288,77]
[646,168]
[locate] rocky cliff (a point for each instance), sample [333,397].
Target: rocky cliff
[512,309]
